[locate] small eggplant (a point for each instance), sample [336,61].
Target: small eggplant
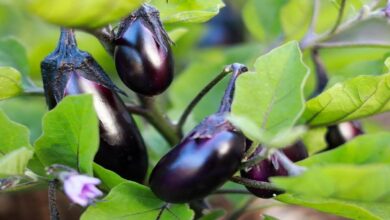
[206,158]
[339,134]
[143,56]
[69,71]
[274,166]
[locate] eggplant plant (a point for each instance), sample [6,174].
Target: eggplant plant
[137,120]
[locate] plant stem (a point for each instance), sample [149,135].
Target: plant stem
[159,120]
[33,92]
[255,160]
[135,109]
[254,183]
[199,97]
[365,13]
[105,36]
[54,214]
[339,17]
[368,43]
[232,191]
[321,75]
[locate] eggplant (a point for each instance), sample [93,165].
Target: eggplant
[273,166]
[203,160]
[143,56]
[339,134]
[70,71]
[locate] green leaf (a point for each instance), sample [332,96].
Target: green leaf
[177,33]
[12,135]
[10,82]
[314,140]
[351,180]
[134,201]
[356,98]
[70,134]
[364,183]
[109,179]
[15,162]
[279,140]
[263,96]
[13,54]
[364,149]
[263,22]
[86,13]
[348,209]
[187,11]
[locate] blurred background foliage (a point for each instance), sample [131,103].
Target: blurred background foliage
[241,32]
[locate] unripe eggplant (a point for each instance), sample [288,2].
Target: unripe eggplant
[69,71]
[339,134]
[143,56]
[273,166]
[206,158]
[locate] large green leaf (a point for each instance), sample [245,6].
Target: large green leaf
[272,96]
[364,183]
[356,98]
[187,10]
[10,82]
[134,201]
[13,54]
[349,209]
[109,179]
[86,13]
[364,149]
[263,22]
[351,181]
[12,135]
[70,134]
[15,162]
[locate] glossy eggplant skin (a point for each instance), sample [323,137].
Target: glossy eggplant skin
[199,164]
[121,146]
[272,167]
[69,71]
[339,134]
[144,60]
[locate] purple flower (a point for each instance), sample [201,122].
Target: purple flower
[81,189]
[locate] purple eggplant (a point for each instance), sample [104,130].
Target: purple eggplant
[205,159]
[273,166]
[339,134]
[69,71]
[143,56]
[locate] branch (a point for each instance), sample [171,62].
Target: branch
[33,91]
[199,97]
[54,214]
[339,17]
[159,120]
[135,109]
[255,184]
[368,43]
[254,160]
[232,191]
[321,75]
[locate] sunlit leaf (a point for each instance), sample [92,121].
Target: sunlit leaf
[70,134]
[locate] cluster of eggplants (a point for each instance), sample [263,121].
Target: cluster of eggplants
[273,167]
[70,71]
[203,160]
[143,56]
[339,134]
